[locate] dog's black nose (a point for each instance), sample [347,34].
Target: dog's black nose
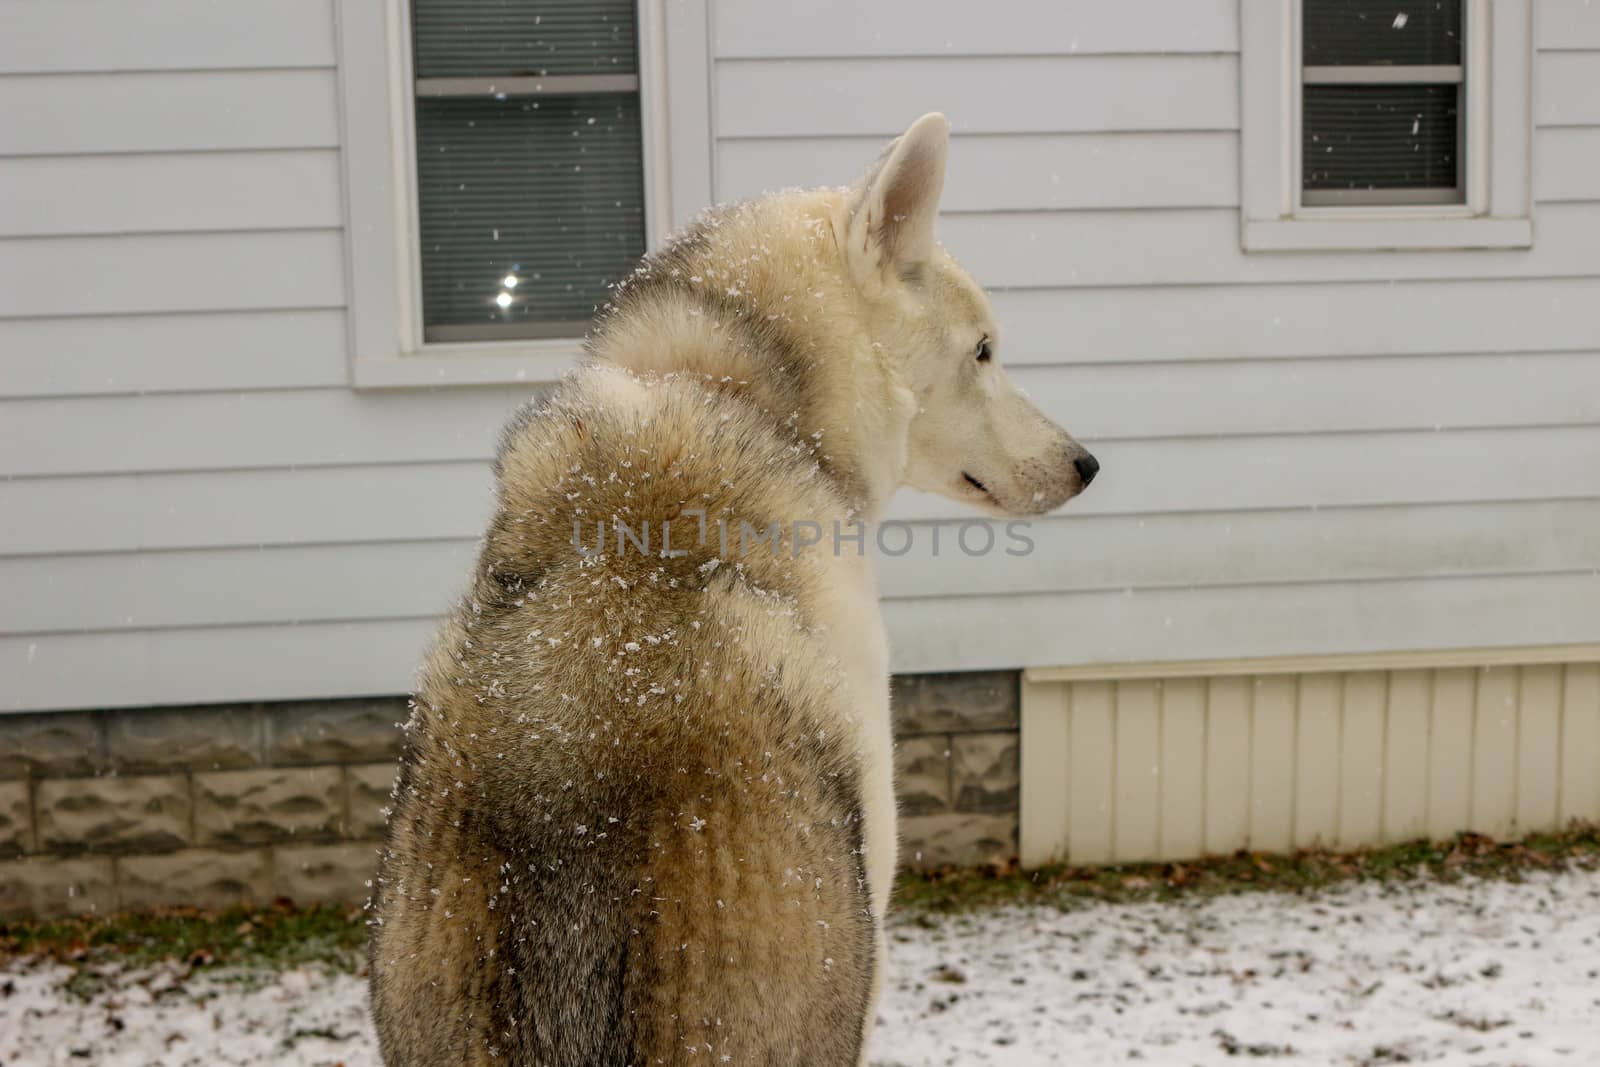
[1087,467]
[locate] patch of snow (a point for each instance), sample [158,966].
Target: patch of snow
[222,1018]
[1487,974]
[1476,974]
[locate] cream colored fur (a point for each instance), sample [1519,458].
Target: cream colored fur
[909,402]
[647,809]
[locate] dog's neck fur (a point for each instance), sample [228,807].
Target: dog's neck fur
[716,303]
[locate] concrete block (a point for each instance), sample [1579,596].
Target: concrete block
[113,813]
[199,738]
[368,787]
[325,874]
[194,877]
[50,743]
[258,807]
[987,773]
[957,838]
[48,886]
[334,731]
[922,774]
[16,819]
[955,703]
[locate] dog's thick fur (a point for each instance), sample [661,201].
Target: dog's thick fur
[646,813]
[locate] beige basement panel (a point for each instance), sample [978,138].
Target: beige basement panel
[1183,780]
[1454,702]
[1136,801]
[1227,755]
[1177,761]
[1092,771]
[1316,802]
[1042,830]
[1539,746]
[1272,762]
[1364,708]
[1494,753]
[1405,753]
[1580,743]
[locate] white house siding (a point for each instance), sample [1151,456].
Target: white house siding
[178,439]
[1304,453]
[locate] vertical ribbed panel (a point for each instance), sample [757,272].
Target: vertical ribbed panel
[1174,768]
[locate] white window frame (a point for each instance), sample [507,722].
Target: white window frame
[378,116]
[1498,126]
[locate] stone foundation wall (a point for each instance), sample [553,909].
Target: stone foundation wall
[203,806]
[218,805]
[957,767]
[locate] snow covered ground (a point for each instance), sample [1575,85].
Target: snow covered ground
[1481,974]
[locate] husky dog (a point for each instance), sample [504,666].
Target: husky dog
[646,814]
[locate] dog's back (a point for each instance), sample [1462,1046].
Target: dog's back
[647,814]
[623,831]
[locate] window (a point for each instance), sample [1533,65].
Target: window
[504,162]
[530,169]
[1385,124]
[1381,102]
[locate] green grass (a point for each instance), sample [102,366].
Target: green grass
[1467,855]
[282,936]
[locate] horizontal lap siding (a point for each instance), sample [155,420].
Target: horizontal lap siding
[1007,28]
[1119,325]
[1566,163]
[144,273]
[97,36]
[991,172]
[170,220]
[1018,94]
[1217,622]
[170,202]
[172,352]
[356,657]
[1299,450]
[172,192]
[1015,172]
[1561,25]
[199,111]
[347,578]
[1201,247]
[1303,453]
[1564,88]
[1191,475]
[1372,318]
[211,664]
[1129,402]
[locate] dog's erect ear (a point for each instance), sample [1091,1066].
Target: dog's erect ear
[894,206]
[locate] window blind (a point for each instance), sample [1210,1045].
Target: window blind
[490,38]
[1387,32]
[1381,115]
[1379,136]
[530,169]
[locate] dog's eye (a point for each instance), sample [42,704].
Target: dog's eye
[983,351]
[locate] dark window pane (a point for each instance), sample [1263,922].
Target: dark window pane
[545,191]
[488,38]
[1351,33]
[1380,137]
